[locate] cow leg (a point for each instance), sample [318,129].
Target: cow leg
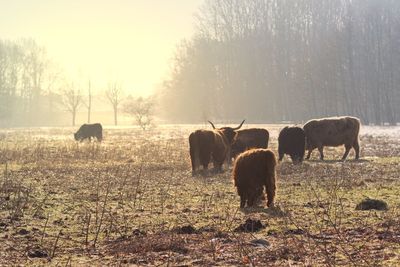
[194,152]
[228,159]
[193,163]
[270,188]
[356,147]
[280,152]
[253,196]
[309,153]
[194,160]
[205,166]
[321,152]
[205,159]
[346,153]
[295,158]
[259,197]
[251,201]
[204,172]
[218,165]
[270,195]
[242,201]
[281,156]
[301,157]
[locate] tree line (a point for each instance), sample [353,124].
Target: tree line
[288,60]
[33,90]
[24,80]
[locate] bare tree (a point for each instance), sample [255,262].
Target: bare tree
[35,64]
[289,61]
[24,71]
[88,104]
[10,66]
[72,100]
[114,94]
[142,109]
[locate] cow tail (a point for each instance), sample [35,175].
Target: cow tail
[270,182]
[357,131]
[194,150]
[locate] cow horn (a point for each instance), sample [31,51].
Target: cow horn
[212,124]
[237,128]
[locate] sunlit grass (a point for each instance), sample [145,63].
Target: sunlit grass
[92,198]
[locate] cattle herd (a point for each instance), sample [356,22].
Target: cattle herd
[254,165]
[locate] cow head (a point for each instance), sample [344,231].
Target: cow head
[228,132]
[76,136]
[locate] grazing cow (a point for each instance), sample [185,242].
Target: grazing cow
[254,169]
[87,131]
[292,141]
[333,131]
[249,138]
[206,145]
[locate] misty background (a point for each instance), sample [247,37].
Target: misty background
[267,61]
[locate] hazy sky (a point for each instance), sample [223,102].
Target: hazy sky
[128,40]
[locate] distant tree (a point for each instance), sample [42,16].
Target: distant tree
[33,76]
[72,100]
[275,60]
[88,103]
[28,79]
[114,95]
[10,65]
[141,109]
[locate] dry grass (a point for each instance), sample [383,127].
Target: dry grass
[124,201]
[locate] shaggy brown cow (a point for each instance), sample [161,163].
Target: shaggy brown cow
[292,141]
[249,138]
[253,170]
[206,145]
[87,131]
[333,131]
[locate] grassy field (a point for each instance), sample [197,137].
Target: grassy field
[132,200]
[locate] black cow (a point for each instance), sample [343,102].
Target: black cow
[292,141]
[206,145]
[249,138]
[87,131]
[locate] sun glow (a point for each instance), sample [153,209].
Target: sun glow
[128,41]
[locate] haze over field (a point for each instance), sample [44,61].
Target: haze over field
[132,41]
[268,61]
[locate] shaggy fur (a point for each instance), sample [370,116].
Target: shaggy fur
[206,145]
[333,131]
[249,138]
[254,170]
[87,131]
[292,141]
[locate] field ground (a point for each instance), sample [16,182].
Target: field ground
[132,200]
